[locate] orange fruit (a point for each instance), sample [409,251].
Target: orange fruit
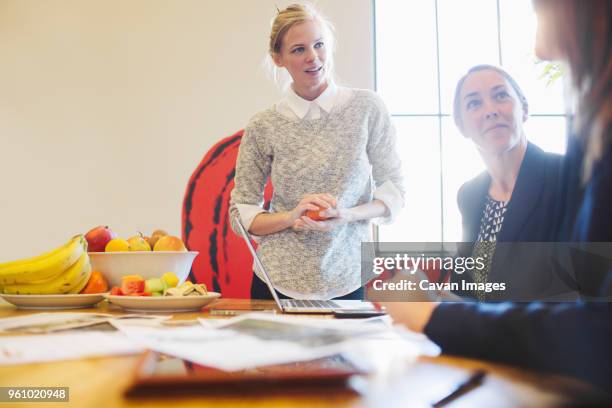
[157,234]
[96,284]
[169,243]
[316,215]
[117,245]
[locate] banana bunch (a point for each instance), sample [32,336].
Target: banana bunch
[64,270]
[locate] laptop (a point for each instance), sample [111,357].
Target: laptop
[304,305]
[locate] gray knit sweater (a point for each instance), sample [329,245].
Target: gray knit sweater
[346,153]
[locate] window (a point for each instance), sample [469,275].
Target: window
[422,49]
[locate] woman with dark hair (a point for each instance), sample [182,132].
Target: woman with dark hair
[512,200]
[570,338]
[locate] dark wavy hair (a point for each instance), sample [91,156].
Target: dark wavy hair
[583,31]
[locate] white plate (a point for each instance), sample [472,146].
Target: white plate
[71,301]
[162,303]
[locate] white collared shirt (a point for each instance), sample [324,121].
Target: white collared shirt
[294,106]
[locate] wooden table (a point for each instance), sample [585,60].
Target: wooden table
[100,382]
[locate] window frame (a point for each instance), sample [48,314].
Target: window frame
[440,115]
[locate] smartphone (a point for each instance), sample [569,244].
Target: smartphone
[357,314]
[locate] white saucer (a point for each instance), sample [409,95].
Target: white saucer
[162,303]
[68,301]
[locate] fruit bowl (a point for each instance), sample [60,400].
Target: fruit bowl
[148,264]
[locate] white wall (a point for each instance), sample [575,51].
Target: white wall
[107,106]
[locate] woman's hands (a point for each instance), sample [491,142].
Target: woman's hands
[312,202]
[416,307]
[266,223]
[413,315]
[325,203]
[336,217]
[339,216]
[412,308]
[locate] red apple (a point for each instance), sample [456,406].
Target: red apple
[98,237]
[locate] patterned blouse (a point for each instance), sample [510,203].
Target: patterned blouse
[490,225]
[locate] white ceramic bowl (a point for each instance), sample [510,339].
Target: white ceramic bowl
[148,264]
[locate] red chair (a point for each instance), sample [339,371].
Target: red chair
[224,263]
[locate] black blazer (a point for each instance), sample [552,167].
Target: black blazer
[528,216]
[531,216]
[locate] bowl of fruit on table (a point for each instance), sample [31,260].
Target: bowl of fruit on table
[147,257]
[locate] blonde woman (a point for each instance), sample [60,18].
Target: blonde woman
[325,147]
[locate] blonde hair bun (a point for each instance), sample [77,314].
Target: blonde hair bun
[292,15]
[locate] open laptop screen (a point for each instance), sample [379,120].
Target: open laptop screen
[258,263]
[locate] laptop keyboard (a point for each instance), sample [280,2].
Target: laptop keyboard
[313,304]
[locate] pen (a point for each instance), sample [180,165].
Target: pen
[474,381]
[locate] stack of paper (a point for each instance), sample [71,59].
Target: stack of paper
[258,339]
